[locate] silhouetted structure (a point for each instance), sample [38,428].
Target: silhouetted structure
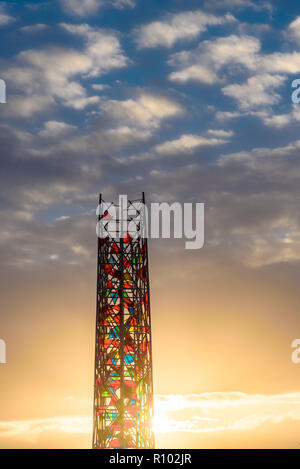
[123,407]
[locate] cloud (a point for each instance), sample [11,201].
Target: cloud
[31,429]
[238,4]
[98,143]
[123,3]
[220,133]
[5,18]
[264,181]
[89,7]
[40,243]
[258,91]
[223,411]
[279,62]
[294,29]
[80,250]
[203,63]
[128,122]
[146,110]
[26,106]
[39,182]
[253,196]
[261,156]
[100,87]
[55,128]
[266,114]
[34,28]
[102,48]
[219,60]
[53,74]
[278,121]
[225,115]
[179,413]
[187,25]
[81,7]
[186,144]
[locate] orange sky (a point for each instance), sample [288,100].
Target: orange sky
[223,373]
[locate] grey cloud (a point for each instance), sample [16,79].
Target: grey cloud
[5,17]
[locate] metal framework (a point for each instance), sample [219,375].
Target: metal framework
[123,408]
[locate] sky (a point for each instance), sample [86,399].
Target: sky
[188,101]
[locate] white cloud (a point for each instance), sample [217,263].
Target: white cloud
[50,71]
[198,72]
[63,217]
[279,62]
[80,250]
[203,63]
[82,103]
[294,29]
[267,72]
[55,129]
[261,158]
[100,87]
[223,411]
[267,115]
[256,92]
[54,71]
[147,110]
[103,49]
[30,429]
[187,25]
[225,115]
[279,120]
[220,133]
[187,143]
[219,60]
[133,120]
[53,257]
[273,120]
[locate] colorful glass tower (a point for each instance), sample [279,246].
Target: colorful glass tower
[123,407]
